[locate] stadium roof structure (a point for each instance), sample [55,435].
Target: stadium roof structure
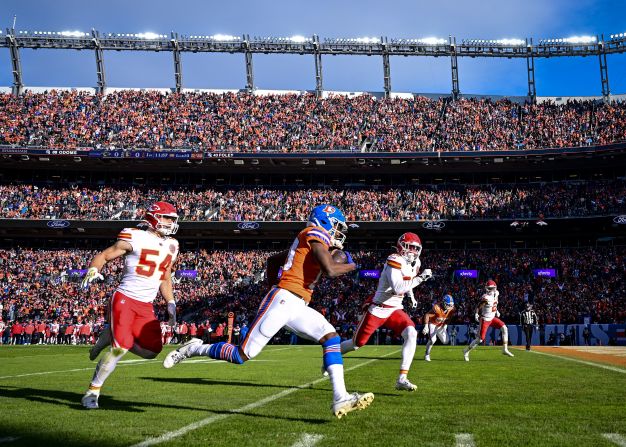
[302,45]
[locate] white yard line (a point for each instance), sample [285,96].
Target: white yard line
[8,439]
[584,362]
[259,403]
[308,440]
[615,438]
[43,373]
[464,440]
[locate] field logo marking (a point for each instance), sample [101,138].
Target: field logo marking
[308,440]
[464,440]
[597,365]
[615,438]
[168,436]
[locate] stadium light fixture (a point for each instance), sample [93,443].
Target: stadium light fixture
[512,42]
[580,39]
[432,41]
[367,40]
[148,36]
[299,39]
[224,37]
[72,34]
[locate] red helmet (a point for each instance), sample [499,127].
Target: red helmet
[159,210]
[491,285]
[409,246]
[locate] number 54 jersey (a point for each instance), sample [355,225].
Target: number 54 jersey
[145,266]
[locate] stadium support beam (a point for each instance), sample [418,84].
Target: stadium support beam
[386,69]
[455,69]
[178,67]
[249,68]
[604,71]
[530,68]
[18,85]
[102,82]
[319,80]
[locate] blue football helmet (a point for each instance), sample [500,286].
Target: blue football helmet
[332,220]
[448,301]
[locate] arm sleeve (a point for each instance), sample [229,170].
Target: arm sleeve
[398,283]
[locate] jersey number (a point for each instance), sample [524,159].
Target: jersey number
[146,267]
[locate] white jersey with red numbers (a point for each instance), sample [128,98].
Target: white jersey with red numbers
[146,264]
[489,305]
[396,279]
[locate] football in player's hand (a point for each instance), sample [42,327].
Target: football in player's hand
[339,256]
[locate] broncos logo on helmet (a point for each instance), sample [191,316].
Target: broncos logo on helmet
[331,219]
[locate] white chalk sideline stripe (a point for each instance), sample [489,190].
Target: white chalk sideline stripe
[308,440]
[8,439]
[168,436]
[42,373]
[464,440]
[584,362]
[615,438]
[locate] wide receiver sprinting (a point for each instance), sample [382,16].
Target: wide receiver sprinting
[487,315]
[148,258]
[436,323]
[286,306]
[398,278]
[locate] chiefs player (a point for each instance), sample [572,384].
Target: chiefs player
[398,278]
[148,258]
[487,315]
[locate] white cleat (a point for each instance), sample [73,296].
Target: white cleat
[354,401]
[427,358]
[324,371]
[90,400]
[507,352]
[466,355]
[180,354]
[405,385]
[103,341]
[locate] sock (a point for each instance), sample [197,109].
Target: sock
[105,367]
[348,346]
[505,338]
[429,346]
[225,351]
[409,334]
[473,344]
[333,362]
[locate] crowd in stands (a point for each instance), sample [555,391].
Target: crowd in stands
[560,199]
[241,122]
[38,287]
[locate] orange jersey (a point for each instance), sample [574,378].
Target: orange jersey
[301,269]
[440,316]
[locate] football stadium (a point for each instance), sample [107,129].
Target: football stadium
[263,265]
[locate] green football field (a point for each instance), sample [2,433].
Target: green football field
[280,399]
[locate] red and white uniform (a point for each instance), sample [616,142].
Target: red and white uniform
[385,309]
[132,314]
[488,311]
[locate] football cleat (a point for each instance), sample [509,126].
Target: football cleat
[405,385]
[466,355]
[324,371]
[354,401]
[103,341]
[180,354]
[427,358]
[90,400]
[507,352]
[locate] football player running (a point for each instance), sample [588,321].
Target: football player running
[398,278]
[436,323]
[148,258]
[487,316]
[286,306]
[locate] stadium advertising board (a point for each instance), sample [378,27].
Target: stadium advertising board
[374,274]
[544,273]
[466,273]
[186,274]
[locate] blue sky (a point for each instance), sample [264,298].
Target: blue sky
[486,19]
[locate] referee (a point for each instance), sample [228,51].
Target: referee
[528,319]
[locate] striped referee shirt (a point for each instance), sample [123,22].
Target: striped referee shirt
[528,317]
